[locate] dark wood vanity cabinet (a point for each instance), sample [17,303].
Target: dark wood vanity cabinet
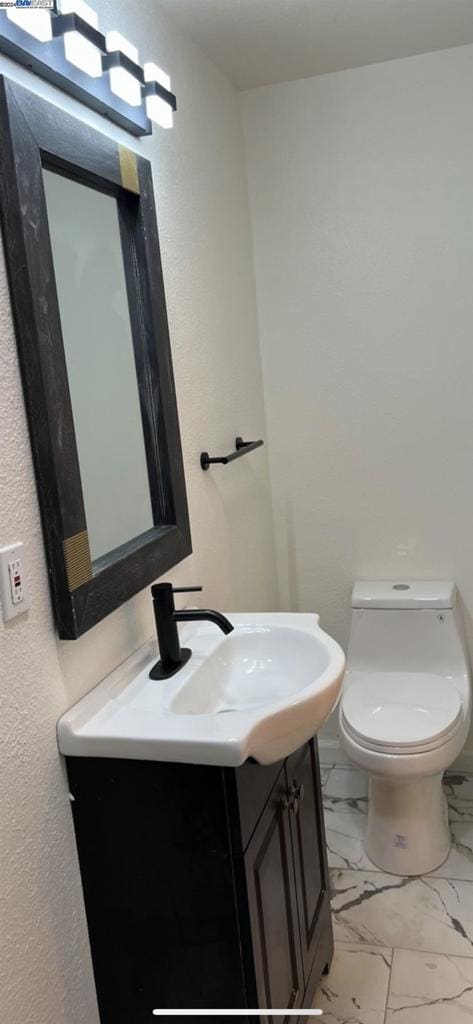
[204,887]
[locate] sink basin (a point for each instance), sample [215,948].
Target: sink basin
[256,666]
[259,692]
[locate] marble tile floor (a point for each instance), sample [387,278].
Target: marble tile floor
[403,946]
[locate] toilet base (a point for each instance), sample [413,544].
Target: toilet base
[407,832]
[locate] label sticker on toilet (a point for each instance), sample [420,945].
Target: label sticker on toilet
[401,841]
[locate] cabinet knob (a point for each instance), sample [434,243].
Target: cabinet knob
[294,798]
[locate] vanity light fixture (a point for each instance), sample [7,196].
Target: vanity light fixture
[62,43]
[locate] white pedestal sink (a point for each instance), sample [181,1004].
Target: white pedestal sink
[261,692]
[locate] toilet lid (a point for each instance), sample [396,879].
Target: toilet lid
[401,710]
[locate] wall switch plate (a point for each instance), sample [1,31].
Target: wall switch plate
[13,583]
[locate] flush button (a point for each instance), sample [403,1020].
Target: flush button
[401,586]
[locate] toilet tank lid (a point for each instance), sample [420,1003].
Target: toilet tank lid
[403,594]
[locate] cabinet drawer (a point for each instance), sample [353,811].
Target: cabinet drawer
[248,789]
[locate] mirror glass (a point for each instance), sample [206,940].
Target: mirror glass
[95,319]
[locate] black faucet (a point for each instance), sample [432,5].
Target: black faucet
[173,656]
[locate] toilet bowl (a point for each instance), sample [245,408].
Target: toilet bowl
[405,714]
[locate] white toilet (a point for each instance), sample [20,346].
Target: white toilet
[405,715]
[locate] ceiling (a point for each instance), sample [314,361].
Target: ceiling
[258,42]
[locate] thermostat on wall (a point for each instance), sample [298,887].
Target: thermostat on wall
[13,584]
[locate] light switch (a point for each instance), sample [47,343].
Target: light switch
[13,583]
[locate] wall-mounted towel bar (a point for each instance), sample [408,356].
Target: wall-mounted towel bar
[242,448]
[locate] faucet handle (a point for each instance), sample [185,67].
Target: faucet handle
[167,588]
[186,590]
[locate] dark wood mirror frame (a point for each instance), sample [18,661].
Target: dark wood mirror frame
[35,134]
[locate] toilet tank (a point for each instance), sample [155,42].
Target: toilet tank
[406,626]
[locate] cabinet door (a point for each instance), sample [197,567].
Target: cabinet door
[273,910]
[308,838]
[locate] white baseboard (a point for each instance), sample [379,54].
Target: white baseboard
[331,752]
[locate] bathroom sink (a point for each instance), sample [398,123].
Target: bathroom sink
[253,667]
[259,692]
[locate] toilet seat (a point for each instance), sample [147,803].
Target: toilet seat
[400,713]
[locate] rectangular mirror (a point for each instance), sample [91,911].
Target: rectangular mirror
[82,250]
[98,346]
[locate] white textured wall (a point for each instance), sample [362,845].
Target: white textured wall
[45,973]
[361,193]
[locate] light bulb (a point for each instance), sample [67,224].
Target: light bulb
[122,83]
[115,41]
[79,50]
[81,8]
[156,108]
[32,20]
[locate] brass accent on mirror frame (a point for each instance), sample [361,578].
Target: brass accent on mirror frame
[77,559]
[129,169]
